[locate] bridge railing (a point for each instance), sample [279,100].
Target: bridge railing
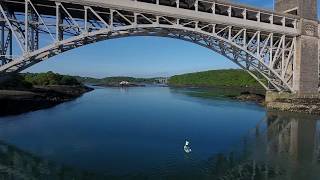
[231,10]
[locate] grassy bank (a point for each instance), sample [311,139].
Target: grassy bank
[215,78]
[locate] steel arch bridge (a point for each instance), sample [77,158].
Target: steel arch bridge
[262,42]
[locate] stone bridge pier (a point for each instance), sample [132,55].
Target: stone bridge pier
[306,97]
[306,64]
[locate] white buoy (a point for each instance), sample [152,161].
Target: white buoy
[186,147]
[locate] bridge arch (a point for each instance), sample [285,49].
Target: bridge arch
[267,56]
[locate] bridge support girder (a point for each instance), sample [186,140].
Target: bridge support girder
[2,42]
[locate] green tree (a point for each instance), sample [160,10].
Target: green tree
[215,78]
[50,78]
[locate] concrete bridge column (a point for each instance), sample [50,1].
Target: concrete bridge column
[306,66]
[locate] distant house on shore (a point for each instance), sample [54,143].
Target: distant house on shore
[124,83]
[162,80]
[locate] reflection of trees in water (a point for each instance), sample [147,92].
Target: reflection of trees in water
[288,148]
[248,170]
[16,164]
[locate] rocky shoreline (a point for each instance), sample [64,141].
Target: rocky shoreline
[251,97]
[293,103]
[14,102]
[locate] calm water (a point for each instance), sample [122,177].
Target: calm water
[139,133]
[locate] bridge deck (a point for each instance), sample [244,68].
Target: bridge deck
[216,12]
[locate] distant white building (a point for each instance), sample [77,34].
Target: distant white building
[124,83]
[162,80]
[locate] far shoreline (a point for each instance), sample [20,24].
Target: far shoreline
[243,94]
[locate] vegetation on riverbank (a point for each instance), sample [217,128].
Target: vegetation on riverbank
[233,83]
[29,92]
[215,78]
[50,78]
[15,82]
[29,80]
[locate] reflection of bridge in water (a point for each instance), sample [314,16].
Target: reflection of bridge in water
[298,136]
[278,48]
[282,146]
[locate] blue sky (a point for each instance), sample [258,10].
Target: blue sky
[139,57]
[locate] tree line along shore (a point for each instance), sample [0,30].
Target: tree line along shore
[232,83]
[216,78]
